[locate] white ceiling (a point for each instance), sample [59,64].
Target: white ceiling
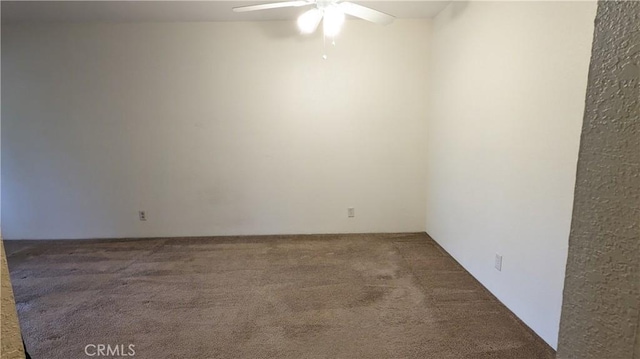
[214,10]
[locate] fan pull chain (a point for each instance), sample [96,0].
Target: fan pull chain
[324,47]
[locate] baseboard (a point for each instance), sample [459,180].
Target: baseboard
[219,236]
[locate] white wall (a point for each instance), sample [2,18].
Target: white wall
[212,128]
[507,92]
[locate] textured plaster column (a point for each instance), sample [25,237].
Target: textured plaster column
[9,328]
[601,305]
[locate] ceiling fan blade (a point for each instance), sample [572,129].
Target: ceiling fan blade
[366,13]
[273,5]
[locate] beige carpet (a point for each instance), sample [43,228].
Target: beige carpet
[325,296]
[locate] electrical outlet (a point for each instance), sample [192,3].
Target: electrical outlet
[498,263]
[142,215]
[351,212]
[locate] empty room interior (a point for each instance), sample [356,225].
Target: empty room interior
[320,179]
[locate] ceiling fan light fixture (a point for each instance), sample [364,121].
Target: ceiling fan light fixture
[332,11]
[309,21]
[333,20]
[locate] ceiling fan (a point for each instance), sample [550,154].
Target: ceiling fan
[332,11]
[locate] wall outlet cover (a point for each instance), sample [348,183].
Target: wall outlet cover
[498,263]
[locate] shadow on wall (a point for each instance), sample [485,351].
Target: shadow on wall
[457,8]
